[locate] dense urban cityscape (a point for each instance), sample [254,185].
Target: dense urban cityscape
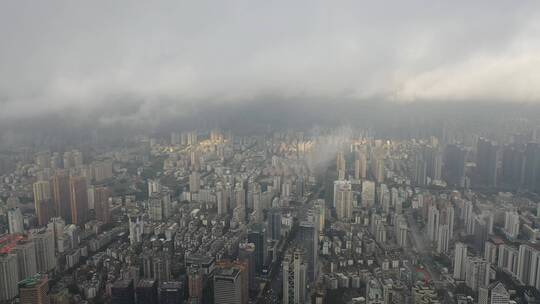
[269,152]
[332,216]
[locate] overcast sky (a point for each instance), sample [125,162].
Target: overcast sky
[56,55]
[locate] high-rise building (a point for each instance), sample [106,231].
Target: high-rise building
[339,184]
[194,181]
[495,293]
[378,168]
[460,261]
[343,201]
[154,186]
[528,264]
[43,160]
[477,273]
[9,276]
[532,167]
[340,165]
[102,170]
[15,221]
[26,258]
[512,172]
[78,200]
[222,201]
[257,236]
[45,254]
[402,235]
[43,202]
[309,240]
[420,171]
[171,292]
[123,292]
[487,158]
[443,239]
[508,259]
[195,285]
[368,193]
[511,224]
[320,207]
[274,224]
[240,200]
[246,254]
[360,166]
[61,196]
[161,265]
[433,158]
[468,217]
[34,290]
[294,278]
[57,225]
[101,204]
[490,252]
[454,165]
[136,229]
[228,286]
[159,205]
[146,292]
[433,223]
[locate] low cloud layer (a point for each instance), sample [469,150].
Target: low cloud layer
[149,59]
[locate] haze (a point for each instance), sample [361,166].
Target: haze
[144,58]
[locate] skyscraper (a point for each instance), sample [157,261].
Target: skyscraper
[171,292]
[61,196]
[228,286]
[532,167]
[246,254]
[433,223]
[274,223]
[508,259]
[101,204]
[15,221]
[476,273]
[309,240]
[343,201]
[34,290]
[360,166]
[26,258]
[340,165]
[454,165]
[294,278]
[43,202]
[194,181]
[495,293]
[486,162]
[368,193]
[45,255]
[460,260]
[136,228]
[9,276]
[528,263]
[443,239]
[123,292]
[78,200]
[511,224]
[420,171]
[512,171]
[146,292]
[257,236]
[195,284]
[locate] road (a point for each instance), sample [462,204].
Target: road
[421,244]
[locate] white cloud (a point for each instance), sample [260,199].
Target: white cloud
[59,54]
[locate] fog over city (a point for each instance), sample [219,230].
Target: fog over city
[141,61]
[269,152]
